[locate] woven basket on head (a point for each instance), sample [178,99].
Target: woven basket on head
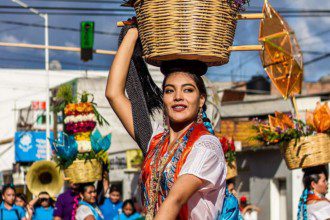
[84,171]
[308,151]
[186,29]
[231,170]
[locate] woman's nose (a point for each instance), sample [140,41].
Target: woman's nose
[178,96]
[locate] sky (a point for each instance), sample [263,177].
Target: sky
[313,35]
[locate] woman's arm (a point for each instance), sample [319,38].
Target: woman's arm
[185,186]
[115,90]
[90,217]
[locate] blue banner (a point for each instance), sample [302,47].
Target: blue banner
[30,146]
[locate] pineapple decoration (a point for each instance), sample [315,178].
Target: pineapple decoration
[80,121]
[82,152]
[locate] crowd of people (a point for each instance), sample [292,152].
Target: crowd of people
[79,202]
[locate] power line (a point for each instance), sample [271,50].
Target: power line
[69,8]
[82,1]
[315,35]
[127,9]
[54,27]
[322,57]
[71,13]
[62,62]
[131,13]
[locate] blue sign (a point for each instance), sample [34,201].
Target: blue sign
[30,146]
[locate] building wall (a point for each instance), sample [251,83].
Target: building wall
[259,174]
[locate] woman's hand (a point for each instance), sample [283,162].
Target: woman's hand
[185,186]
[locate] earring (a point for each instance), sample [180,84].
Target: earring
[200,116]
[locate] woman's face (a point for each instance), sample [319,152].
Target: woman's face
[182,99]
[128,209]
[321,186]
[9,196]
[20,202]
[89,195]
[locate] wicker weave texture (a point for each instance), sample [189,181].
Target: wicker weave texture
[186,29]
[81,171]
[309,151]
[231,170]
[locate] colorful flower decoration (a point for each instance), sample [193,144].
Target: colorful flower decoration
[100,143]
[66,149]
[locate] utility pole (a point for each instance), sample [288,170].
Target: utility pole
[45,17]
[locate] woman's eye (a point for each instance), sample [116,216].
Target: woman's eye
[188,90]
[167,91]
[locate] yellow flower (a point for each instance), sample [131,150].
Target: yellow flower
[82,136]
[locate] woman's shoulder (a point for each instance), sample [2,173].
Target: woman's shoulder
[319,203]
[83,211]
[210,142]
[319,209]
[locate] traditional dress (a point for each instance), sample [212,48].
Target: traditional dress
[320,209]
[196,152]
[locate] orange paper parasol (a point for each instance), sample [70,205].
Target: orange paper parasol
[281,57]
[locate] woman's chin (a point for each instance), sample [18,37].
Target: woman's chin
[181,121]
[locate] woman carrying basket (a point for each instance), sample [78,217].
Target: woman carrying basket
[184,171]
[313,205]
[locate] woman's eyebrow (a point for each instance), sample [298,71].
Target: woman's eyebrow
[166,85]
[188,84]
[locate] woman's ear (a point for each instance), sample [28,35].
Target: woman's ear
[81,196]
[313,185]
[202,100]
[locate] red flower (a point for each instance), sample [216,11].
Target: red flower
[232,145]
[224,144]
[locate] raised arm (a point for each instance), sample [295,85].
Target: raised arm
[115,90]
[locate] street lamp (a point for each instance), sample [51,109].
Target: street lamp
[45,17]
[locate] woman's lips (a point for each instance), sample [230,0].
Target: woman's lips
[179,108]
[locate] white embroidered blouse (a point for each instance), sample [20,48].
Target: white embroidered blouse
[205,161]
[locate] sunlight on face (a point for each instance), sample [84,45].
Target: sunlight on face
[321,186]
[9,196]
[89,195]
[128,210]
[182,99]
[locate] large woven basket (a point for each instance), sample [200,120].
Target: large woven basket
[186,29]
[231,170]
[307,151]
[84,171]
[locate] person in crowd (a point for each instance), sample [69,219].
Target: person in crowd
[67,204]
[8,209]
[129,212]
[313,205]
[248,211]
[231,186]
[21,201]
[88,210]
[111,205]
[43,207]
[184,171]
